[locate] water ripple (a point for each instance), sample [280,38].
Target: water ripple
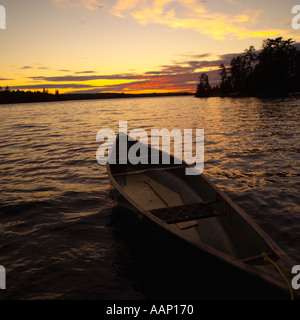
[55,207]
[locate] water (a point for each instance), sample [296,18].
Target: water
[57,238]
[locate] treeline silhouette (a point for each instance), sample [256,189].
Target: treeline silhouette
[8,96]
[15,96]
[273,71]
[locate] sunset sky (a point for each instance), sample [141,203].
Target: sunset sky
[131,45]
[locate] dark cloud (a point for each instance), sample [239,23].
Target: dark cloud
[170,69]
[154,73]
[26,67]
[82,72]
[51,86]
[196,56]
[201,56]
[228,57]
[127,76]
[180,76]
[175,82]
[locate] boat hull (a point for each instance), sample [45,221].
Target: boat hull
[226,243]
[217,279]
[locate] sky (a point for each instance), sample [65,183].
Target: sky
[131,46]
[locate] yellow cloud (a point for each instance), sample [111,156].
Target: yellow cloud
[261,34]
[241,18]
[185,14]
[194,15]
[124,5]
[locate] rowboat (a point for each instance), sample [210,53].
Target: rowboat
[192,209]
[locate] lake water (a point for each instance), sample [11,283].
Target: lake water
[57,239]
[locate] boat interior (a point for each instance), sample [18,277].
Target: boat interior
[192,207]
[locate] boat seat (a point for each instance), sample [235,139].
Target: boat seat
[176,214]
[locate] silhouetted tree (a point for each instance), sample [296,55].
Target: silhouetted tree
[276,66]
[273,71]
[225,85]
[295,75]
[241,70]
[203,88]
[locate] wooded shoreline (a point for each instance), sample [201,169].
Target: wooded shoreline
[11,97]
[273,71]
